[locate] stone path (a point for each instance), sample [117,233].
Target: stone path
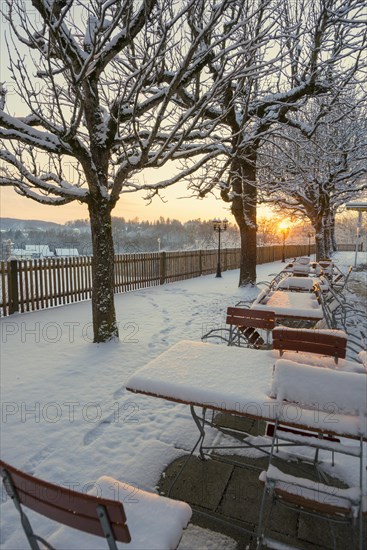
[226,498]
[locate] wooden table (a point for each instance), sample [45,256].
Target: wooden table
[290,305]
[236,381]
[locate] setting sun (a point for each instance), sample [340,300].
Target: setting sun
[284,224]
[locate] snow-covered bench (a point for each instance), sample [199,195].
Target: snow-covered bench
[301,266]
[319,497]
[309,385]
[325,348]
[315,389]
[322,342]
[120,513]
[314,498]
[242,327]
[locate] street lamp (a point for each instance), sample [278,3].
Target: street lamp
[284,230]
[219,226]
[309,244]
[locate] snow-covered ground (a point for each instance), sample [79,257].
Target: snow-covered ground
[66,416]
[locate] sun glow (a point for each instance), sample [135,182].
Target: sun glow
[284,225]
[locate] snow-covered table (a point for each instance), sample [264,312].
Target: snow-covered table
[290,305]
[239,381]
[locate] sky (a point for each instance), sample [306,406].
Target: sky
[69,421]
[129,206]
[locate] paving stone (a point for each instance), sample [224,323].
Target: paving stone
[242,497]
[227,497]
[240,423]
[202,482]
[321,532]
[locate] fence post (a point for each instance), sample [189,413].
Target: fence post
[162,268]
[13,287]
[200,263]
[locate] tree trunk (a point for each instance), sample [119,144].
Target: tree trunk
[323,240]
[103,307]
[327,224]
[327,237]
[243,184]
[319,239]
[334,246]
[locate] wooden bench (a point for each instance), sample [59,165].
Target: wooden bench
[314,498]
[301,266]
[242,327]
[103,517]
[313,495]
[324,342]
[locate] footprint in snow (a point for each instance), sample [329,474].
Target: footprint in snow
[96,432]
[36,459]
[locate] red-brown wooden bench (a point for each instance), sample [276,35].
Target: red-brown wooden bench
[104,517]
[242,325]
[323,342]
[314,498]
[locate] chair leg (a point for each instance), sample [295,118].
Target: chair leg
[268,489]
[27,528]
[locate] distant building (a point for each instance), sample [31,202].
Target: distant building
[22,254]
[39,251]
[66,252]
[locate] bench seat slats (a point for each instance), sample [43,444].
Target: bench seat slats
[312,495]
[73,519]
[327,443]
[77,510]
[311,347]
[311,341]
[243,317]
[63,497]
[316,336]
[316,506]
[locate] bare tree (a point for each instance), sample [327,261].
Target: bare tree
[311,175]
[97,110]
[301,49]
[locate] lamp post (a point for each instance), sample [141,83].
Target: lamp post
[309,244]
[285,233]
[219,226]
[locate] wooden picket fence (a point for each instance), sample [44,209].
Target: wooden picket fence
[30,285]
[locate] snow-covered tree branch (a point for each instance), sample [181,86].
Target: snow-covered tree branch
[313,177]
[96,83]
[311,48]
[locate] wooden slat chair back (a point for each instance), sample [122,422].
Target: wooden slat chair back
[88,513]
[241,327]
[315,499]
[312,341]
[250,318]
[340,279]
[244,322]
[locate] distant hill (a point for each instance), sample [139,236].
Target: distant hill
[7,224]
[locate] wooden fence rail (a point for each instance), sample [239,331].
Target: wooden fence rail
[343,247]
[29,285]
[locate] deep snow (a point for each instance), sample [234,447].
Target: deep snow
[66,416]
